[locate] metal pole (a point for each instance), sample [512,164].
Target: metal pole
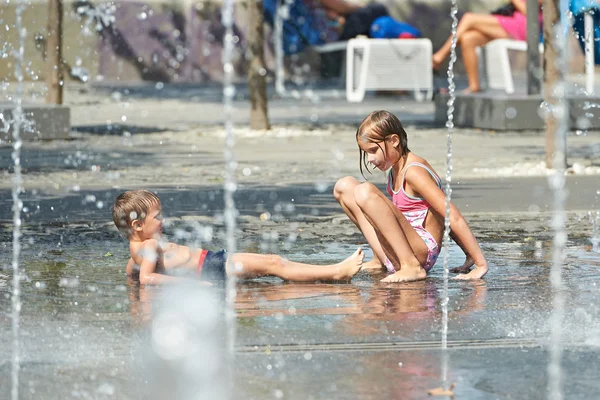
[589,53]
[257,83]
[278,39]
[54,60]
[534,72]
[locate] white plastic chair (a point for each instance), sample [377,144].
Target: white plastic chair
[388,64]
[498,72]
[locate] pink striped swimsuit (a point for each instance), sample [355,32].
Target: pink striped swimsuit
[415,210]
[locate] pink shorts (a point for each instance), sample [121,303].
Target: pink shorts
[515,25]
[433,250]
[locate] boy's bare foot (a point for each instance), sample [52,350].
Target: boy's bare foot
[406,274]
[373,265]
[350,266]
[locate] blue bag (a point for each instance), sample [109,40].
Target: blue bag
[579,8]
[299,29]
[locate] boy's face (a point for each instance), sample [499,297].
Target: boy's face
[151,228]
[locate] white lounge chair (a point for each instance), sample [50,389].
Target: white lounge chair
[388,64]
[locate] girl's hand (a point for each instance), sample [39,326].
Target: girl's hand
[477,273]
[465,268]
[465,272]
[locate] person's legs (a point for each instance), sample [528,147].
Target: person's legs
[343,192]
[486,24]
[249,265]
[405,248]
[359,22]
[470,41]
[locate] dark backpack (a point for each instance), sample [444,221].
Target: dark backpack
[298,30]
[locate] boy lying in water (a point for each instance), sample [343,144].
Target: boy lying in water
[137,214]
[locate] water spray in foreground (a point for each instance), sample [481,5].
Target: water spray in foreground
[448,189]
[230,165]
[17,188]
[559,195]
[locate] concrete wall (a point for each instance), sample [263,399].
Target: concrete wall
[179,41]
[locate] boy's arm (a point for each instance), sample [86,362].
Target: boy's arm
[130,267]
[148,274]
[421,181]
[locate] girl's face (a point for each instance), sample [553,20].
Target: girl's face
[381,155]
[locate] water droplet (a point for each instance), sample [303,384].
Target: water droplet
[510,112]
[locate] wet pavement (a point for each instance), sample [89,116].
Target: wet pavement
[89,333]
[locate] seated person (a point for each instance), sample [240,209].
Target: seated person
[475,30]
[137,214]
[313,22]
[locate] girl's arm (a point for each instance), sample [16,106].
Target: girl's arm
[421,182]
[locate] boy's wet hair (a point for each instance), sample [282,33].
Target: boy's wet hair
[375,128]
[130,206]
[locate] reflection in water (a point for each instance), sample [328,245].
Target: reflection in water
[414,304]
[78,311]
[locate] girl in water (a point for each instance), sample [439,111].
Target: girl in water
[405,232]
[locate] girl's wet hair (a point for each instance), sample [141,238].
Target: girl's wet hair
[375,128]
[130,206]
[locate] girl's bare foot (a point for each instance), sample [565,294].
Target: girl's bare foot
[350,266]
[373,265]
[407,274]
[470,90]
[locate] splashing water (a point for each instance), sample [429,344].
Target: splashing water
[588,106]
[448,189]
[101,15]
[17,188]
[559,195]
[230,166]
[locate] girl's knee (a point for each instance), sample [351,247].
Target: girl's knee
[364,192]
[467,18]
[344,186]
